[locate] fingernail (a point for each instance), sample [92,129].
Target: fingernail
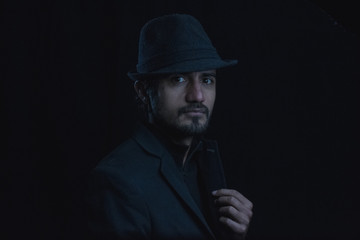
[214,192]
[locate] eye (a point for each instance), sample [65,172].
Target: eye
[178,79]
[209,80]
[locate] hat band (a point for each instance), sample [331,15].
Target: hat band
[161,61]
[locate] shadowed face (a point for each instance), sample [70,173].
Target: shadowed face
[184,102]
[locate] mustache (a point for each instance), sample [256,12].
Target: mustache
[194,107]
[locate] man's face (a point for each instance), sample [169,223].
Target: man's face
[184,102]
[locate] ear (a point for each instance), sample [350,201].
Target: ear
[140,91]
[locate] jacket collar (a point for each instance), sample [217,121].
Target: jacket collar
[146,139]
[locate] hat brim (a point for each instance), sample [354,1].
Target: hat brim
[196,65]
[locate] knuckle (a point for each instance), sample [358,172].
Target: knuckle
[231,210]
[232,200]
[232,191]
[227,210]
[242,228]
[228,221]
[246,221]
[225,220]
[243,218]
[250,214]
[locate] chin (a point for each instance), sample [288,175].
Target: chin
[193,128]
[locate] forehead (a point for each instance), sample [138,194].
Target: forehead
[193,74]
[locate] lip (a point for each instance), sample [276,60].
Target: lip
[196,112]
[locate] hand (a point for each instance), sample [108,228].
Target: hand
[235,211]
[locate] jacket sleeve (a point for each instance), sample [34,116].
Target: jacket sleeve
[116,208]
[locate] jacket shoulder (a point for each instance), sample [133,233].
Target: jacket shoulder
[128,158]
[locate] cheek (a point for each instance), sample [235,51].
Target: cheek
[211,96]
[168,105]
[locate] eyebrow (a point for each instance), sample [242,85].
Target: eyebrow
[207,74]
[203,74]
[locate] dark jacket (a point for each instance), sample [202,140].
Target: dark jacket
[137,192]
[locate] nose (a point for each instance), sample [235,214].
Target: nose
[194,92]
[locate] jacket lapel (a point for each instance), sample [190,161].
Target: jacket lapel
[211,168]
[174,178]
[170,171]
[212,176]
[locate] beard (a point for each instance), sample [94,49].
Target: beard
[195,127]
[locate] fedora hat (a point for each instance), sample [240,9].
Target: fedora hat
[175,43]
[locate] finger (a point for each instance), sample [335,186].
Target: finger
[234,214]
[235,194]
[234,202]
[237,228]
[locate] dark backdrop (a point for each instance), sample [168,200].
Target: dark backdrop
[286,117]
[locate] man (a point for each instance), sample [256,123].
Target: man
[167,181]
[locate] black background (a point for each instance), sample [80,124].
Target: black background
[286,117]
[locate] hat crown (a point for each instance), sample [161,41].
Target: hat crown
[175,43]
[172,38]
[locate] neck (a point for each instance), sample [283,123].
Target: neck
[172,135]
[186,141]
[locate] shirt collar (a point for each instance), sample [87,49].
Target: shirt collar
[176,150]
